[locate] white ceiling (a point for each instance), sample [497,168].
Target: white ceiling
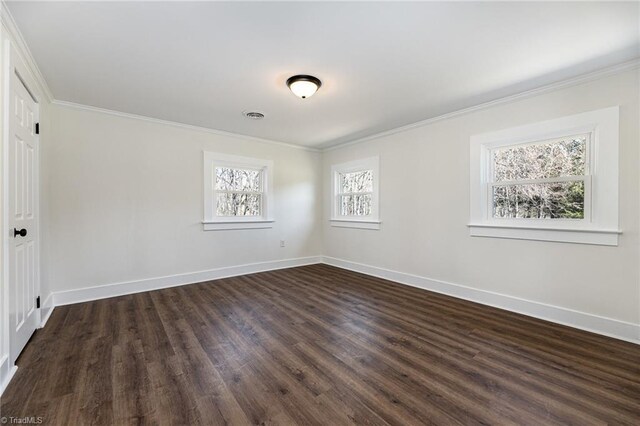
[383,65]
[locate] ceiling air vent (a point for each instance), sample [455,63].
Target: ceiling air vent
[254,115]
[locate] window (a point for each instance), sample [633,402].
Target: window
[236,192]
[539,181]
[355,194]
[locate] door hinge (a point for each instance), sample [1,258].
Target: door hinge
[38,302]
[37,128]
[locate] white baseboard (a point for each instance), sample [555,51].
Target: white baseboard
[120,289]
[596,324]
[6,373]
[46,309]
[606,326]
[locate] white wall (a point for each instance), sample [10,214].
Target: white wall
[424,228]
[124,202]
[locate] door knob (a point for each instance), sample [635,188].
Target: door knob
[22,232]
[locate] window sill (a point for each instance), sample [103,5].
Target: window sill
[359,224]
[237,224]
[604,237]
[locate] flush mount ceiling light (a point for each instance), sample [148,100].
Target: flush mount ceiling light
[304,86]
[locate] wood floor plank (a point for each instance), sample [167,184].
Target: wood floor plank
[512,381]
[360,353]
[316,345]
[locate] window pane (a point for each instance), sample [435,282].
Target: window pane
[561,200]
[238,204]
[355,205]
[361,181]
[546,160]
[228,179]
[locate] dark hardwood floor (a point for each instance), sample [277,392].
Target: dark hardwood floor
[317,345]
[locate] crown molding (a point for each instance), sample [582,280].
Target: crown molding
[16,37]
[14,33]
[584,78]
[9,24]
[83,107]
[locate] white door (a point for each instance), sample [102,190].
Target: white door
[22,164]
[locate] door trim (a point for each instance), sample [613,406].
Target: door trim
[15,68]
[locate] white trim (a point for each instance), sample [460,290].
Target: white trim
[4,381]
[574,81]
[18,40]
[604,237]
[16,35]
[359,224]
[7,19]
[5,343]
[129,287]
[88,294]
[46,309]
[90,108]
[594,323]
[211,221]
[328,146]
[362,222]
[600,223]
[245,224]
[16,67]
[42,93]
[610,327]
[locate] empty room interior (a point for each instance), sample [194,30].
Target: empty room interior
[319,213]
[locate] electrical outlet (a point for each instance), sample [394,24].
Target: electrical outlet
[281,243]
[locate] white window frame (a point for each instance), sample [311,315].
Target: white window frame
[600,223]
[213,222]
[362,222]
